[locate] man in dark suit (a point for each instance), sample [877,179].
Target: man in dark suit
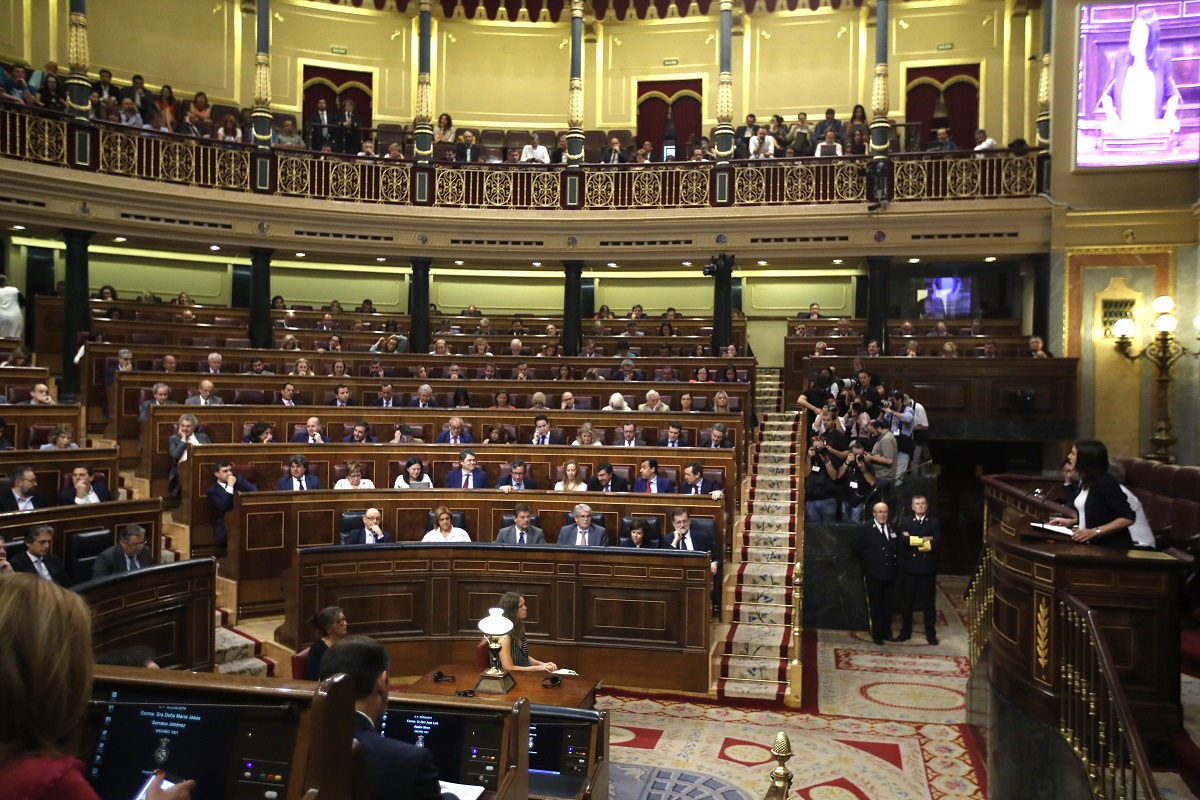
[370,532]
[541,430]
[394,768]
[466,475]
[221,492]
[140,95]
[105,88]
[82,489]
[347,134]
[517,479]
[298,478]
[650,481]
[629,436]
[605,480]
[22,496]
[455,433]
[286,395]
[387,398]
[185,434]
[559,154]
[205,397]
[876,546]
[320,128]
[694,482]
[674,437]
[424,397]
[361,434]
[311,434]
[341,397]
[720,436]
[686,537]
[521,531]
[920,542]
[127,555]
[162,397]
[615,154]
[468,151]
[37,558]
[582,533]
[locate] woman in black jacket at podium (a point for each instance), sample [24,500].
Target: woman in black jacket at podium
[1102,512]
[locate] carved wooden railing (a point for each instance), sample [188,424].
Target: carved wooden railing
[979,605]
[47,138]
[1095,719]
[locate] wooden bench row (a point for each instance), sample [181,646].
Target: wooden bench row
[26,426]
[53,469]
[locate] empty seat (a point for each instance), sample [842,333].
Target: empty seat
[37,435]
[250,397]
[490,137]
[82,549]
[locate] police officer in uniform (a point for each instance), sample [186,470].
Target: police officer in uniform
[920,541]
[876,546]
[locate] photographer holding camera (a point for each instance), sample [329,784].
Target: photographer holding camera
[857,482]
[899,415]
[826,457]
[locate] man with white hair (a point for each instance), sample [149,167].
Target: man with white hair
[653,402]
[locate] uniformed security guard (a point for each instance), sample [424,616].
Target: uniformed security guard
[877,547]
[920,542]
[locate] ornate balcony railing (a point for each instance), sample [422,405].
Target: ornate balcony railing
[47,138]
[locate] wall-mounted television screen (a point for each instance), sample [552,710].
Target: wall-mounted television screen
[1139,84]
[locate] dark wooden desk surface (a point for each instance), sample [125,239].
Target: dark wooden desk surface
[575,691]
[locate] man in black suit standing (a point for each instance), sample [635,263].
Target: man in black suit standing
[370,532]
[346,136]
[920,542]
[320,128]
[82,489]
[605,480]
[468,151]
[21,497]
[185,434]
[876,546]
[38,559]
[394,768]
[129,554]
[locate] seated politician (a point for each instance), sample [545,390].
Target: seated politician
[694,482]
[82,489]
[466,475]
[395,769]
[299,479]
[129,554]
[605,480]
[517,479]
[370,532]
[221,492]
[582,533]
[521,531]
[455,434]
[650,481]
[312,433]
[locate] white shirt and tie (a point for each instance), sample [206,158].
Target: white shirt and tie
[190,440]
[40,566]
[289,403]
[686,542]
[298,484]
[386,402]
[582,539]
[131,563]
[541,439]
[371,538]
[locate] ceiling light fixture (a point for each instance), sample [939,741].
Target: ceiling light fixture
[381,258]
[914,261]
[120,239]
[214,247]
[762,263]
[837,261]
[990,259]
[300,255]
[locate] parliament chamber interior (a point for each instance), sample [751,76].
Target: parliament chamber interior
[350,349]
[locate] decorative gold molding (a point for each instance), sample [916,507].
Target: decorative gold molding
[77,44]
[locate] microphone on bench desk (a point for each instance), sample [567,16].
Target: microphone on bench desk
[440,677]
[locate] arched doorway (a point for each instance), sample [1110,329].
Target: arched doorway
[335,86]
[669,105]
[956,86]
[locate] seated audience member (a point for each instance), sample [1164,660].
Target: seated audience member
[720,438]
[21,496]
[394,768]
[455,433]
[653,402]
[684,538]
[129,554]
[258,367]
[354,478]
[185,434]
[828,145]
[943,143]
[206,396]
[537,401]
[61,438]
[939,329]
[312,433]
[46,694]
[299,478]
[542,433]
[334,345]
[685,402]
[331,626]
[521,531]
[360,434]
[949,350]
[82,489]
[674,436]
[162,397]
[215,362]
[585,436]
[912,350]
[571,482]
[616,402]
[1037,348]
[629,436]
[261,433]
[288,137]
[403,435]
[37,558]
[518,479]
[221,493]
[534,152]
[443,528]
[40,395]
[370,532]
[302,369]
[1140,531]
[514,646]
[649,481]
[413,475]
[605,480]
[386,398]
[466,475]
[721,402]
[582,533]
[988,350]
[694,482]
[497,433]
[341,397]
[424,398]
[637,536]
[501,400]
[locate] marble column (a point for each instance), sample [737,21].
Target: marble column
[575,96]
[423,147]
[572,330]
[79,88]
[878,268]
[418,311]
[77,316]
[260,117]
[261,335]
[723,146]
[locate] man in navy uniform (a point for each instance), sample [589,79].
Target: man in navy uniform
[920,542]
[876,546]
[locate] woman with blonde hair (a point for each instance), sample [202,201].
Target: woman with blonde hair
[302,368]
[571,482]
[45,685]
[585,436]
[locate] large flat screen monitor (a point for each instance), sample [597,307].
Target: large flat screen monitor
[1139,84]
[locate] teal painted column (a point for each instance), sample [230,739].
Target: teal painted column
[423,147]
[724,131]
[260,116]
[79,88]
[1043,118]
[881,129]
[575,101]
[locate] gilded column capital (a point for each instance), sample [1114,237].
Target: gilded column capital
[879,93]
[725,98]
[575,104]
[77,43]
[1044,83]
[262,79]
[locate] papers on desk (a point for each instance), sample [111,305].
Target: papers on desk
[463,791]
[565,672]
[1057,530]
